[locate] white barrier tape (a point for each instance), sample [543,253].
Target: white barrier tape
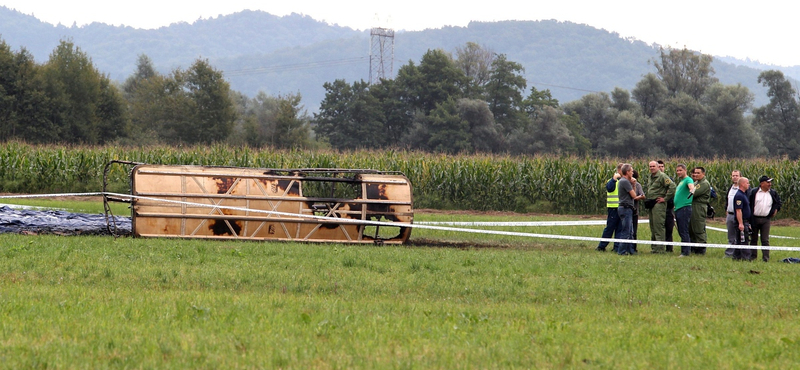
[50,195]
[513,223]
[771,236]
[553,223]
[441,228]
[421,226]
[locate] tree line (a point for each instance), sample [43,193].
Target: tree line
[66,100]
[470,100]
[473,101]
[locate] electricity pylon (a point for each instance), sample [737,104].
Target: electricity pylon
[381,54]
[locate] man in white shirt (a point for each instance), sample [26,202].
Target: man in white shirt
[765,203]
[730,221]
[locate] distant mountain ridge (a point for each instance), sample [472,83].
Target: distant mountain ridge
[114,49]
[295,53]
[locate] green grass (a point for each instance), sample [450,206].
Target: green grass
[99,302]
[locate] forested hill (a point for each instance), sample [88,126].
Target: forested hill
[114,49]
[261,52]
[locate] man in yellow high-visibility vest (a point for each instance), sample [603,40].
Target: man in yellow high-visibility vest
[612,203]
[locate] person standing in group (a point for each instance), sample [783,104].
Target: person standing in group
[612,205]
[741,206]
[659,190]
[669,221]
[765,203]
[700,200]
[627,195]
[730,219]
[637,186]
[683,206]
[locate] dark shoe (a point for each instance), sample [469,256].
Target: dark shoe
[765,259]
[600,249]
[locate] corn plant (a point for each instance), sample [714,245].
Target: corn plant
[566,185]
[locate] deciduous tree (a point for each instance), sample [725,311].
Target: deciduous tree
[543,134]
[350,117]
[213,115]
[650,93]
[397,115]
[485,134]
[681,126]
[433,82]
[475,61]
[291,124]
[537,100]
[87,107]
[595,112]
[685,71]
[504,92]
[779,121]
[731,134]
[449,131]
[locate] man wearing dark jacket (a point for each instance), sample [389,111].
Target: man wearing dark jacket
[764,204]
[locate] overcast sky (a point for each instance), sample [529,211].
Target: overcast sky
[765,30]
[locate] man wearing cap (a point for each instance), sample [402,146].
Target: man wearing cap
[764,203]
[730,220]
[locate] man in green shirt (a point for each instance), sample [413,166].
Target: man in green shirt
[659,189]
[700,200]
[683,206]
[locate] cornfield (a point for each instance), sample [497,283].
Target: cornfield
[564,185]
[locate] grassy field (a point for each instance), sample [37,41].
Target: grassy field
[470,302]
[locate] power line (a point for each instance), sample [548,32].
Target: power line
[342,62]
[294,67]
[564,87]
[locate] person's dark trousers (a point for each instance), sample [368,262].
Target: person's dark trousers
[743,239]
[669,225]
[760,225]
[612,223]
[635,230]
[625,231]
[618,231]
[682,217]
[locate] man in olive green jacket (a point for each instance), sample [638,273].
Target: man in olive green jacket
[660,189]
[702,196]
